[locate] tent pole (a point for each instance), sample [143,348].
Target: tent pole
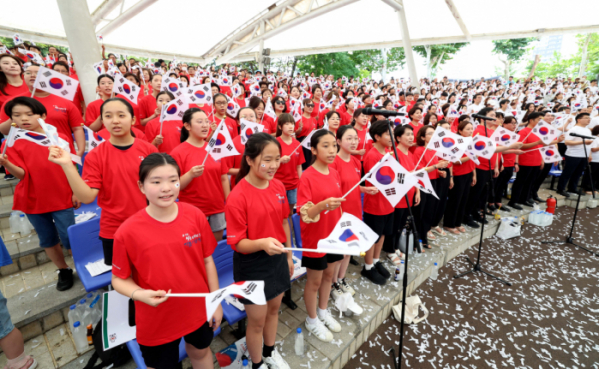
[407,45]
[261,50]
[81,37]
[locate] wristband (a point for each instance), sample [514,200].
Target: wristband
[134,292]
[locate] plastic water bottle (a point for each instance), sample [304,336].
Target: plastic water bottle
[397,272]
[245,364]
[83,310]
[403,240]
[411,244]
[402,268]
[80,337]
[435,273]
[95,310]
[13,220]
[24,226]
[73,316]
[299,343]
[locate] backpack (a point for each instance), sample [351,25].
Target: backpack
[117,356]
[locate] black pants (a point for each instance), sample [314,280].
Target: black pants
[307,155]
[571,174]
[523,183]
[456,204]
[479,194]
[562,148]
[107,246]
[534,191]
[441,186]
[594,175]
[400,217]
[500,184]
[426,209]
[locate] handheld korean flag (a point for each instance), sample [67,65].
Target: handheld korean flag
[199,94]
[174,110]
[322,106]
[16,134]
[453,112]
[297,116]
[424,182]
[349,237]
[392,180]
[126,88]
[224,80]
[99,67]
[247,129]
[398,120]
[504,137]
[446,142]
[4,50]
[16,39]
[172,85]
[221,145]
[32,56]
[482,146]
[92,139]
[550,154]
[255,89]
[306,141]
[268,110]
[55,83]
[52,134]
[294,103]
[236,90]
[232,107]
[251,290]
[545,132]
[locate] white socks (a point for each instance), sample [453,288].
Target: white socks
[368,266]
[321,313]
[374,261]
[312,321]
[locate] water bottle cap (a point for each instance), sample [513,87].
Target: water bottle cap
[419,240]
[245,362]
[402,262]
[89,295]
[299,330]
[76,324]
[82,301]
[22,215]
[73,307]
[435,264]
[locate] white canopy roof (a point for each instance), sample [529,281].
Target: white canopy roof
[200,31]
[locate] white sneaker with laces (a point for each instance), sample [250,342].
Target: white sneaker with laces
[336,292]
[276,361]
[319,330]
[346,287]
[330,322]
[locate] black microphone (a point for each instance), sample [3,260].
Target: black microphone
[477,116]
[384,113]
[582,136]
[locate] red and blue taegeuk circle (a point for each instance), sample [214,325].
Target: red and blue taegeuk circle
[173,87]
[56,83]
[348,236]
[171,109]
[127,88]
[480,145]
[199,94]
[505,138]
[385,175]
[448,142]
[544,131]
[35,136]
[220,139]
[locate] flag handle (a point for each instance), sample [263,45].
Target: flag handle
[187,294]
[427,164]
[527,135]
[12,126]
[300,145]
[33,92]
[421,158]
[329,251]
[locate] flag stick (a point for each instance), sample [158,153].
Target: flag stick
[300,145]
[12,126]
[329,251]
[421,158]
[187,294]
[33,93]
[427,164]
[161,121]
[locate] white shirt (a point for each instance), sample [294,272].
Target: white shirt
[594,122]
[473,109]
[577,151]
[595,155]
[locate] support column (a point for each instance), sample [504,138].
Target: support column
[384,73]
[407,45]
[261,57]
[81,36]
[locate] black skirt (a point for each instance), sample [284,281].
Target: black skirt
[259,266]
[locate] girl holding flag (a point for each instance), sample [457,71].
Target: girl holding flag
[49,208]
[234,162]
[304,126]
[258,105]
[110,171]
[320,191]
[93,118]
[176,234]
[334,120]
[164,135]
[147,105]
[441,188]
[220,113]
[205,184]
[259,233]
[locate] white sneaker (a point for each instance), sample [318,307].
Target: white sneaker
[355,308]
[336,292]
[330,322]
[276,361]
[346,287]
[319,330]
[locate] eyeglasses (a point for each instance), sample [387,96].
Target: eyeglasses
[280,102]
[309,105]
[221,103]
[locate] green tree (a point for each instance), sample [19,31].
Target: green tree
[513,50]
[337,64]
[436,55]
[374,61]
[556,66]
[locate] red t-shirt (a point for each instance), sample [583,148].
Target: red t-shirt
[316,187]
[375,204]
[533,157]
[11,92]
[361,145]
[416,129]
[32,194]
[350,173]
[254,213]
[484,163]
[147,107]
[115,173]
[235,160]
[429,159]
[408,162]
[269,124]
[206,191]
[346,118]
[316,110]
[230,123]
[171,133]
[240,102]
[60,113]
[465,168]
[166,256]
[92,112]
[308,124]
[287,173]
[135,107]
[78,100]
[509,160]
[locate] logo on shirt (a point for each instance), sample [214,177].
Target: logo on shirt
[141,158]
[59,109]
[281,199]
[190,240]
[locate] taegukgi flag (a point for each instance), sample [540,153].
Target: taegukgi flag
[393,180]
[247,129]
[221,145]
[126,88]
[350,235]
[55,83]
[250,290]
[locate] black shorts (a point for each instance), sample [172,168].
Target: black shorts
[166,356]
[259,266]
[107,246]
[320,263]
[382,225]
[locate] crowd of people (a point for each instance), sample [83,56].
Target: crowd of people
[166,202]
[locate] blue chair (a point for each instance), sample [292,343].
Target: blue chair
[133,347]
[287,298]
[86,248]
[554,173]
[223,259]
[297,230]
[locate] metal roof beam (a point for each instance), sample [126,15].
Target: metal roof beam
[125,16]
[104,10]
[454,11]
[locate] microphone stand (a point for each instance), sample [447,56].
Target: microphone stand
[570,240]
[476,267]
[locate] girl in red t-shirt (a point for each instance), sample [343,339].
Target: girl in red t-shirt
[233,162]
[258,231]
[166,135]
[304,126]
[258,105]
[220,113]
[319,191]
[167,246]
[93,118]
[316,97]
[205,184]
[148,109]
[360,123]
[11,79]
[110,171]
[349,169]
[442,189]
[462,177]
[415,115]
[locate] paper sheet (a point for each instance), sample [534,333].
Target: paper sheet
[98,267]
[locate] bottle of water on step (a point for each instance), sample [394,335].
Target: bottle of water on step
[95,313]
[73,316]
[80,337]
[84,312]
[13,220]
[403,240]
[24,226]
[402,270]
[245,364]
[435,272]
[299,343]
